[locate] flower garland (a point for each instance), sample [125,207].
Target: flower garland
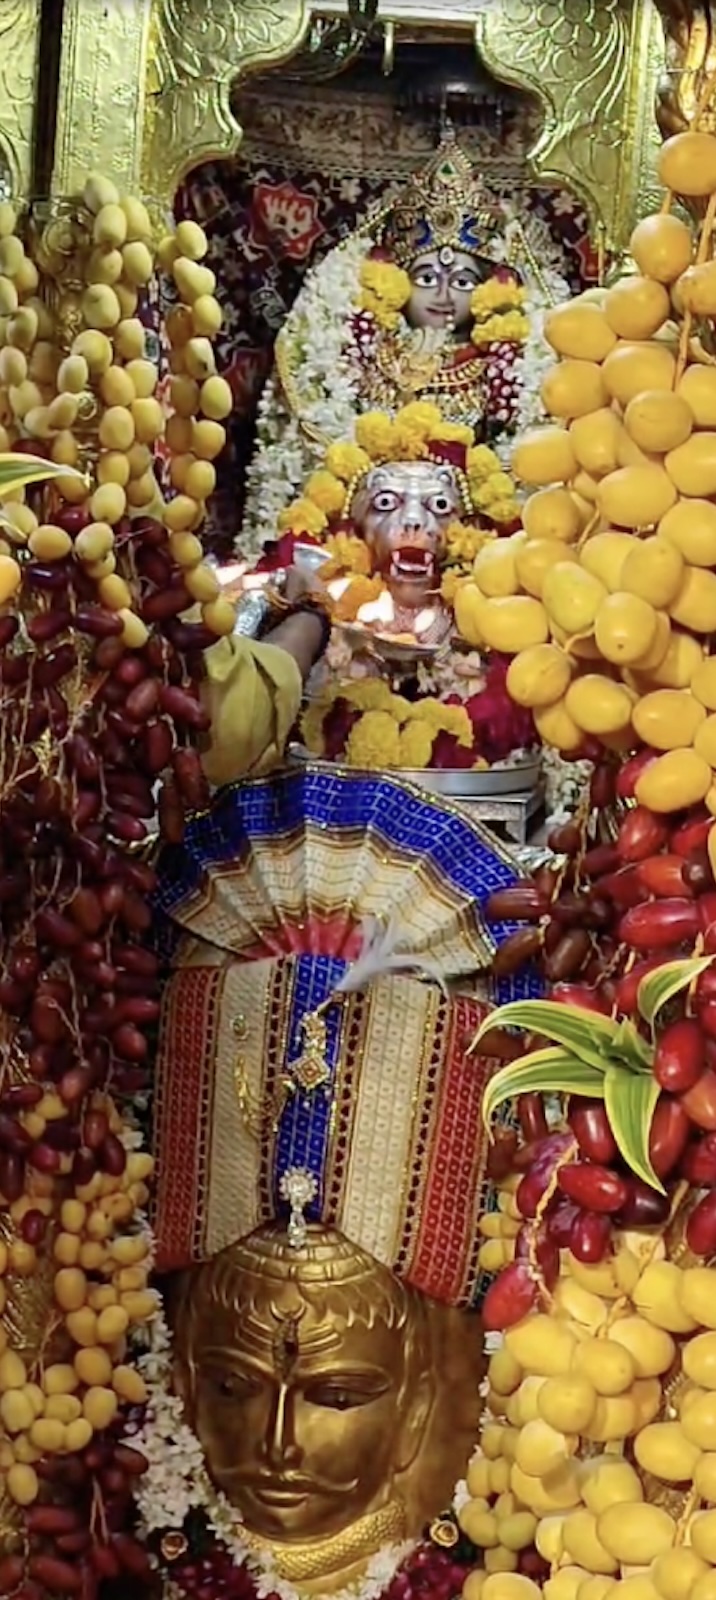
[415,433]
[325,366]
[373,728]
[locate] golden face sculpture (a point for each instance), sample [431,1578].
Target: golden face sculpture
[308,1378]
[335,1406]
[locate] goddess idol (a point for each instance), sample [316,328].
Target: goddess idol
[322,1169]
[438,297]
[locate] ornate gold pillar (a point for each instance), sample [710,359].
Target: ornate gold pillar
[145,85]
[19,62]
[594,67]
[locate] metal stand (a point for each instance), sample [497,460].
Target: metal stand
[513,813]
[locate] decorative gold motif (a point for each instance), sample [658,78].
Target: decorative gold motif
[174,1546]
[444,1533]
[19,60]
[593,66]
[310,1070]
[145,96]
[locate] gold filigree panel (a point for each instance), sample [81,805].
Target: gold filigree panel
[19,59]
[594,66]
[145,85]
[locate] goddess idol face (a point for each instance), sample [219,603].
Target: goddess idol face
[403,511]
[443,282]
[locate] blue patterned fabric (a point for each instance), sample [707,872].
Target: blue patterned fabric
[304,1125]
[400,815]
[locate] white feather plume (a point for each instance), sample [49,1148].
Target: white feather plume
[380,956]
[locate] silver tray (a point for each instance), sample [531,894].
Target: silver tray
[455,782]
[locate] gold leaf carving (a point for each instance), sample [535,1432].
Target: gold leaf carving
[197,49]
[19,49]
[145,96]
[593,66]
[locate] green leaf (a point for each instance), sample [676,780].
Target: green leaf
[549,1071]
[661,985]
[630,1102]
[17,470]
[629,1049]
[584,1033]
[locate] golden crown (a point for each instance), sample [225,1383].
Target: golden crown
[443,207]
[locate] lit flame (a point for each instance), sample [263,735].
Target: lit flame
[337,587]
[380,611]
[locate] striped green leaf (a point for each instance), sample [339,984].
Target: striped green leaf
[17,470]
[549,1071]
[630,1100]
[584,1033]
[661,985]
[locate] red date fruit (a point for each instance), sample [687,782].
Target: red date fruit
[589,1236]
[590,1125]
[663,876]
[691,835]
[668,1136]
[701,1227]
[698,1163]
[627,989]
[644,1207]
[660,924]
[509,1298]
[531,1116]
[593,1187]
[578,994]
[679,1059]
[632,770]
[641,834]
[700,1101]
[623,888]
[568,956]
[516,951]
[521,903]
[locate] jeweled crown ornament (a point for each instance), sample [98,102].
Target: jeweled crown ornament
[444,207]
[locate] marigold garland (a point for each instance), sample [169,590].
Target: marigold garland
[389,730]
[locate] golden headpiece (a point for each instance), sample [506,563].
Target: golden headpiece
[444,207]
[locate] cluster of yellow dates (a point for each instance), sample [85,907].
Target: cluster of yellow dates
[101,1265]
[599,1442]
[94,405]
[607,597]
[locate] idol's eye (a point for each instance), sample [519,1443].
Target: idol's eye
[439,504]
[425,278]
[464,282]
[385,500]
[230,1386]
[341,1396]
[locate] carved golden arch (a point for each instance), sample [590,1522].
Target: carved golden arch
[145,86]
[19,62]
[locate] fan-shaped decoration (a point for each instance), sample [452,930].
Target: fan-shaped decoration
[309,862]
[299,1033]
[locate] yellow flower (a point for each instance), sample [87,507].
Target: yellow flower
[416,745]
[421,416]
[481,462]
[409,443]
[374,742]
[481,765]
[360,591]
[327,492]
[346,553]
[448,719]
[497,490]
[386,281]
[302,517]
[511,327]
[367,694]
[504,511]
[375,433]
[453,433]
[346,461]
[496,294]
[452,580]
[312,726]
[462,542]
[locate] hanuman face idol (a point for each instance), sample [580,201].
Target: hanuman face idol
[403,511]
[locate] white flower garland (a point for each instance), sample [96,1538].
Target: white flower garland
[327,376]
[177,1482]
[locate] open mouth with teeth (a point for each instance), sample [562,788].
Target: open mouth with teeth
[412,562]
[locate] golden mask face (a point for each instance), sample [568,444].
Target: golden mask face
[308,1382]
